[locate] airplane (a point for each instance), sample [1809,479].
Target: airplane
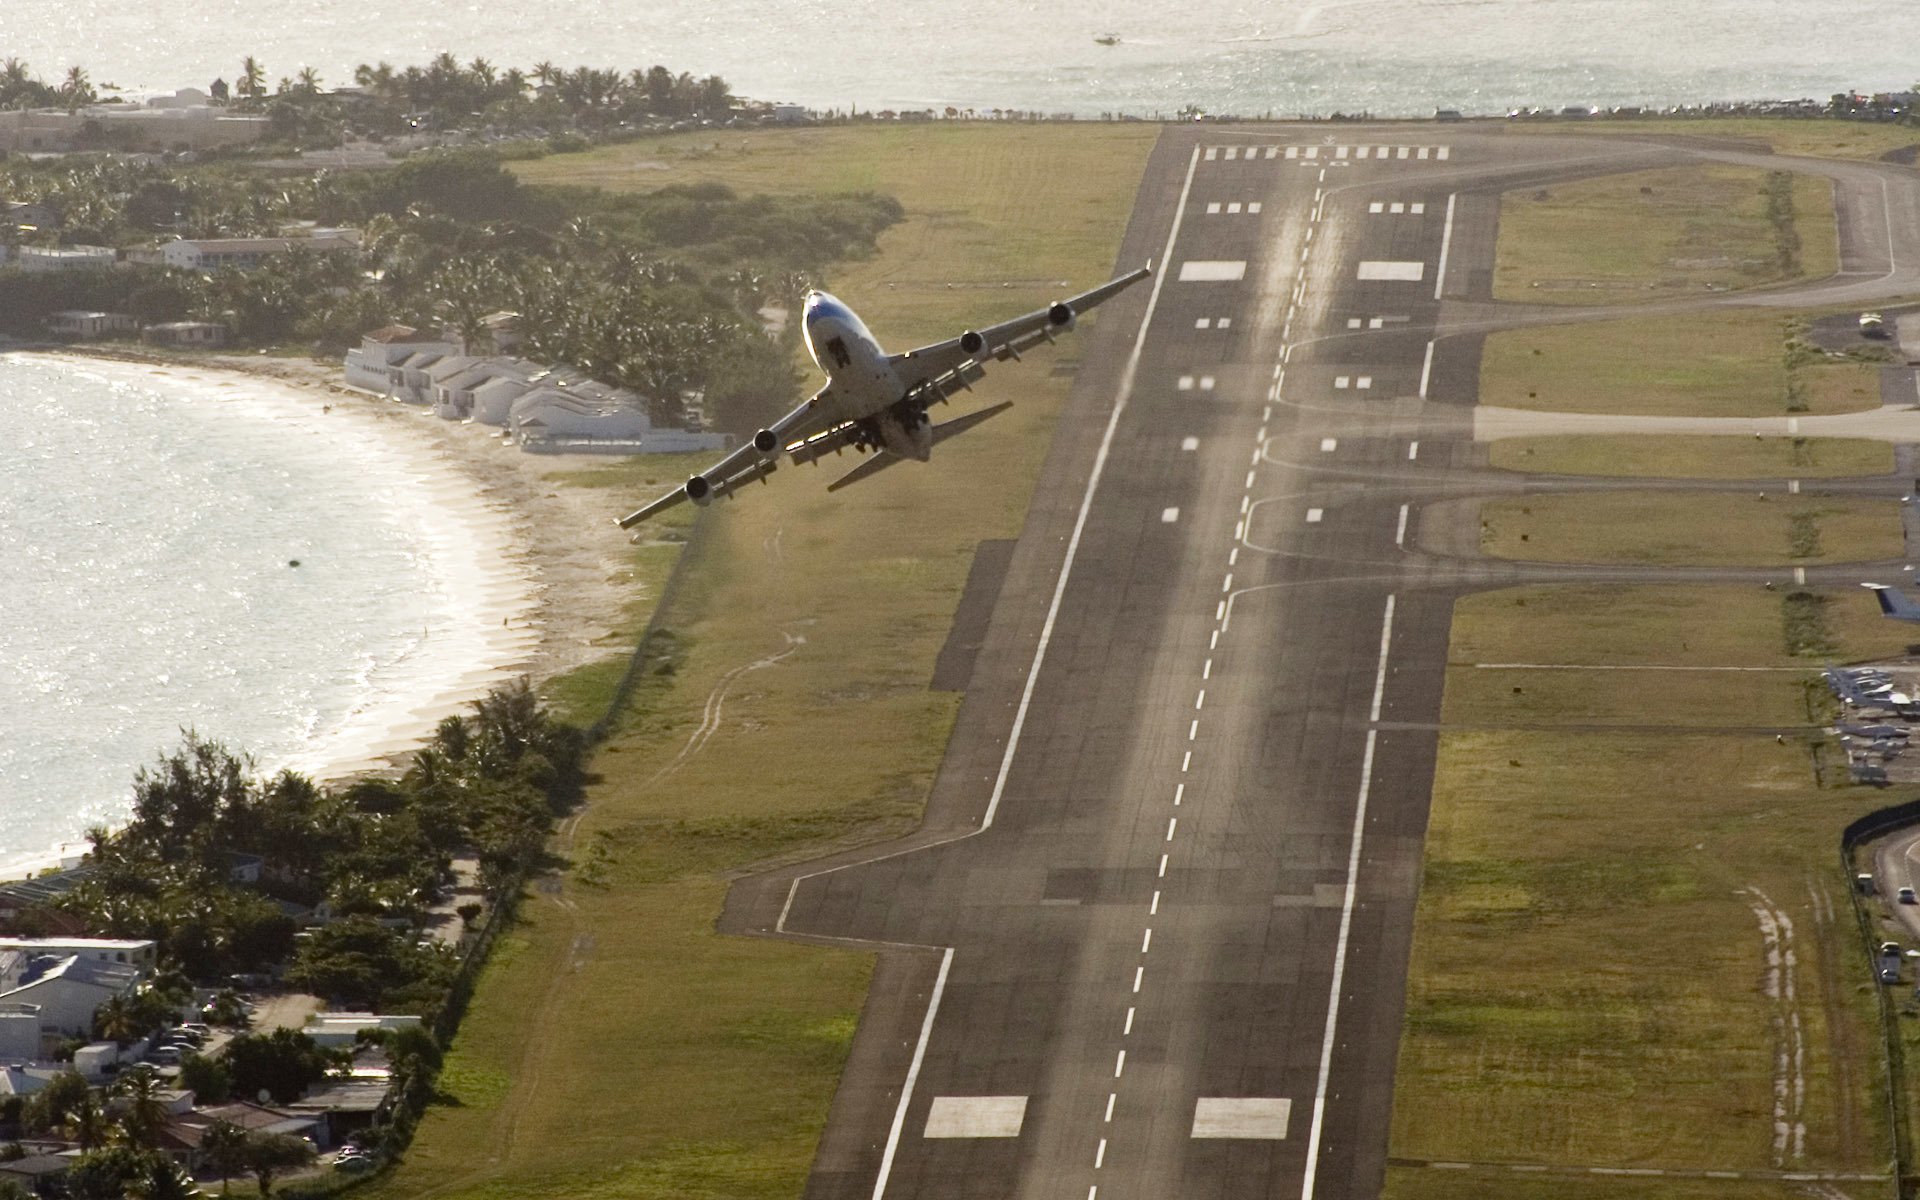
[1892,603]
[876,401]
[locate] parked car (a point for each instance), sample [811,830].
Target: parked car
[1906,896]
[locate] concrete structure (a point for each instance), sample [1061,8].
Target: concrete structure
[244,254]
[78,324]
[25,214]
[335,1030]
[93,1059]
[208,334]
[154,130]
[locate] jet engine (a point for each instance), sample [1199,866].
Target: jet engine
[766,441]
[972,342]
[699,490]
[1061,315]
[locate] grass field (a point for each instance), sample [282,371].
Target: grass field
[1590,982]
[1648,235]
[1720,364]
[1680,529]
[1693,457]
[1812,139]
[617,1046]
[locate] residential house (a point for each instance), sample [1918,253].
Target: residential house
[454,397]
[378,363]
[343,1106]
[75,323]
[28,214]
[590,417]
[38,1174]
[244,254]
[209,335]
[26,905]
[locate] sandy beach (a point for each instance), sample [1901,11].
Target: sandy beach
[539,572]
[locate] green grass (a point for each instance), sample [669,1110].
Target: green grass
[1693,457]
[1420,1184]
[1718,364]
[1811,139]
[1647,235]
[1586,984]
[1703,529]
[619,1046]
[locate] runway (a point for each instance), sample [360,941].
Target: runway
[1152,940]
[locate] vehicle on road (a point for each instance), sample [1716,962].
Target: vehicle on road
[1906,896]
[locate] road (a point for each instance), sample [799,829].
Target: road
[1152,939]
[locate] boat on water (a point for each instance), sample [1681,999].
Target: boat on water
[1108,39]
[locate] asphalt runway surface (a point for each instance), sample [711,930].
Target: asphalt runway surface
[1152,939]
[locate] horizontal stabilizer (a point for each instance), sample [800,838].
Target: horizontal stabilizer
[872,466]
[1893,603]
[947,429]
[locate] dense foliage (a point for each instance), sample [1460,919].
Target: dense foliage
[655,292]
[363,861]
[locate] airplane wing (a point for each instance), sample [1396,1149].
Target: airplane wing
[931,363]
[747,463]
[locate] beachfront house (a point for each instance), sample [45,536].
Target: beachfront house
[244,254]
[591,417]
[76,323]
[377,364]
[28,216]
[455,398]
[208,335]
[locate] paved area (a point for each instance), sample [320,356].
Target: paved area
[1152,938]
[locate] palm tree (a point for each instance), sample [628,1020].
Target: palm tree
[307,82]
[76,89]
[86,1123]
[253,78]
[145,1114]
[546,73]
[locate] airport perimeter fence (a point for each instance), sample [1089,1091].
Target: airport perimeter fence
[1874,825]
[643,651]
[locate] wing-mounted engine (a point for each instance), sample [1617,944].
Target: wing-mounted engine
[1060,315]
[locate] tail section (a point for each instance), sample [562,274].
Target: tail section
[1894,603]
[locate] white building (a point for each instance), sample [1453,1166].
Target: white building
[377,363]
[75,323]
[41,260]
[332,1030]
[210,334]
[133,952]
[68,991]
[591,417]
[19,1034]
[244,254]
[173,127]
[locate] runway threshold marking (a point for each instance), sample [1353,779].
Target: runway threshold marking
[1127,377]
[1346,909]
[976,1116]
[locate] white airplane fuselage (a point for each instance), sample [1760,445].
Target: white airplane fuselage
[862,384]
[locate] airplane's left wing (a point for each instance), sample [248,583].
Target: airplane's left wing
[747,463]
[1007,339]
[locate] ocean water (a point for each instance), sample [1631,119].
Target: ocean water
[148,527]
[1390,57]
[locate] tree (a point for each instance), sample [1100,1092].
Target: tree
[86,1122]
[110,1173]
[47,1109]
[253,79]
[207,1078]
[225,1146]
[143,1113]
[283,1064]
[271,1154]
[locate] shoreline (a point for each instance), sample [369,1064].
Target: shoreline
[534,570]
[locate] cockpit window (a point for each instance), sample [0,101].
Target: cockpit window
[837,350]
